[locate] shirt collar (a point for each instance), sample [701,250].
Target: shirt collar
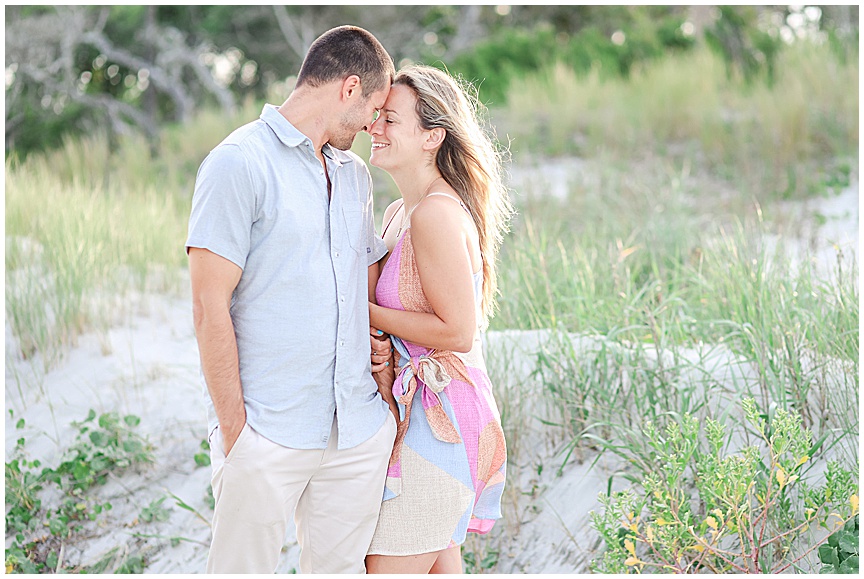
[291,137]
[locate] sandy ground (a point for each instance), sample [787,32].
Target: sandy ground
[147,365]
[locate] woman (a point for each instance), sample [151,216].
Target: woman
[435,292]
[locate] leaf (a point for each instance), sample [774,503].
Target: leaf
[849,542]
[20,424]
[131,420]
[632,561]
[853,501]
[802,460]
[781,477]
[828,555]
[98,438]
[827,570]
[202,459]
[711,522]
[818,444]
[631,548]
[850,565]
[106,420]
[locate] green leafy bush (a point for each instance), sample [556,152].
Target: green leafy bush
[707,510]
[512,53]
[102,447]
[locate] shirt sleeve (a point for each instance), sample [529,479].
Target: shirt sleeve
[223,206]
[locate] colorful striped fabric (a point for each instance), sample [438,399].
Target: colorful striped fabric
[446,473]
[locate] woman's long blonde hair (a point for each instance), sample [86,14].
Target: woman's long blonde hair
[467,159]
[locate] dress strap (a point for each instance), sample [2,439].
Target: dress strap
[392,217]
[451,197]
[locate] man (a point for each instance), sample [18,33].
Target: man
[281,242]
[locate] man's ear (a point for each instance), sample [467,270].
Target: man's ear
[434,139]
[351,87]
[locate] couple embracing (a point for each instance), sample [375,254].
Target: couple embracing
[385,460]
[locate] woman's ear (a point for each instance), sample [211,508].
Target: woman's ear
[434,139]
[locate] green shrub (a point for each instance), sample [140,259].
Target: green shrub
[705,509]
[102,447]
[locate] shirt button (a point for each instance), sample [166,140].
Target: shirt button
[342,343]
[336,254]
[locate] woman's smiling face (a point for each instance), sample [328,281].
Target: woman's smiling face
[397,138]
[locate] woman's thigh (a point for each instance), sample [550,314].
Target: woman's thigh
[416,564]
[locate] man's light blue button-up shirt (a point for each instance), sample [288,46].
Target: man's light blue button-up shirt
[300,310]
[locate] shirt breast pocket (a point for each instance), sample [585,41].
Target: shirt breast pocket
[355,227]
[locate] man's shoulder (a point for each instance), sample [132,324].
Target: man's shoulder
[252,134]
[246,146]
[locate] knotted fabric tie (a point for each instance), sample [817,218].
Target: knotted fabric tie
[430,371]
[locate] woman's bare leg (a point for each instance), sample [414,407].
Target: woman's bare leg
[417,564]
[449,562]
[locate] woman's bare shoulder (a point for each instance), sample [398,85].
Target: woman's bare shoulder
[437,215]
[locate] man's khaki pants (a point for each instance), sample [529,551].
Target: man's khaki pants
[336,494]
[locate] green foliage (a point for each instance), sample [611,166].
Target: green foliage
[104,446]
[840,554]
[702,508]
[512,53]
[203,458]
[747,50]
[486,562]
[155,512]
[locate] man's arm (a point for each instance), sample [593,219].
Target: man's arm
[384,375]
[213,281]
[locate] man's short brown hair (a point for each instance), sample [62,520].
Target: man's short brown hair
[343,51]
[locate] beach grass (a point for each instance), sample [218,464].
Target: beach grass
[785,138]
[93,220]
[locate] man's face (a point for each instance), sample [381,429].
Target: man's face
[358,118]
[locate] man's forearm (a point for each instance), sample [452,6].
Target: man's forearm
[217,345]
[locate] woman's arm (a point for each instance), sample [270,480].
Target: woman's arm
[444,265]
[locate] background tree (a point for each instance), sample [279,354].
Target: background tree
[75,69]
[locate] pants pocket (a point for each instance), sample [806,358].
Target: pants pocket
[217,442]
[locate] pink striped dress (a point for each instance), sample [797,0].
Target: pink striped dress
[446,473]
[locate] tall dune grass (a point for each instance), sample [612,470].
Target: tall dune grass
[644,264]
[92,220]
[780,139]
